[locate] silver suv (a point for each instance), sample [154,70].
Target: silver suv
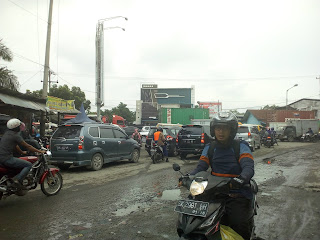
[250,134]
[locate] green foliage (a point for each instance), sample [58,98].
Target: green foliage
[272,107]
[120,110]
[7,78]
[66,93]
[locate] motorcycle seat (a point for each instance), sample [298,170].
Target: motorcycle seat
[31,159]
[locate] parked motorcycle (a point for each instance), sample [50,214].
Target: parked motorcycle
[200,215]
[156,153]
[49,178]
[307,137]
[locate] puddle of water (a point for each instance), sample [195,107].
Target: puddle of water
[172,195]
[126,211]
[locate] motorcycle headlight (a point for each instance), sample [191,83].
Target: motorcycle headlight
[197,188]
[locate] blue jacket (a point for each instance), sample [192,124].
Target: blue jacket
[224,162]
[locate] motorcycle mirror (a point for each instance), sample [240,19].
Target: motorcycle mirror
[176,167]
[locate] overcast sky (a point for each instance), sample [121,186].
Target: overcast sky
[245,54]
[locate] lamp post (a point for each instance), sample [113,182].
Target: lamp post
[287,95]
[100,61]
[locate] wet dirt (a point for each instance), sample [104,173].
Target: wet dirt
[136,200]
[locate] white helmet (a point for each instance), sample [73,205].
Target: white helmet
[13,123]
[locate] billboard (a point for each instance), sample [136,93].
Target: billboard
[213,107]
[59,104]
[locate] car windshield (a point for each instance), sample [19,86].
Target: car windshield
[243,130]
[67,132]
[191,130]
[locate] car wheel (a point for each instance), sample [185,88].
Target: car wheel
[174,152]
[96,162]
[135,155]
[290,138]
[253,147]
[259,146]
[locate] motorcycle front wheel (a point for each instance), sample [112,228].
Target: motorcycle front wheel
[52,185]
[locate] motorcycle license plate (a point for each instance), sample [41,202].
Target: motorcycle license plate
[194,208]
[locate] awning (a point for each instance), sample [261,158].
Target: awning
[24,103]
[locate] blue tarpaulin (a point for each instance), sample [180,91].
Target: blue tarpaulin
[81,117]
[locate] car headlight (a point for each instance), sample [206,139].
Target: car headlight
[197,188]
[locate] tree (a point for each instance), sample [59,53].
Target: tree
[7,78]
[120,110]
[65,93]
[271,107]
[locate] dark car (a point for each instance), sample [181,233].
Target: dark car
[191,139]
[170,134]
[91,145]
[129,130]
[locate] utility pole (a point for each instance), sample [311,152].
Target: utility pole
[100,61]
[319,84]
[46,69]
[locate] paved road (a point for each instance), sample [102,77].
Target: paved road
[136,201]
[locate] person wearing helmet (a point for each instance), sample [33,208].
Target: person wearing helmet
[225,161]
[159,138]
[9,143]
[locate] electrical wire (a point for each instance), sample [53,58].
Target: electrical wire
[30,77]
[27,11]
[20,56]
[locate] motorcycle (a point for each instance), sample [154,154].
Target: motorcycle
[307,137]
[49,178]
[200,215]
[156,152]
[268,142]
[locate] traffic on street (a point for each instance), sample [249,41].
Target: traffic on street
[137,200]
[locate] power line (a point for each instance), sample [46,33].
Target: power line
[27,11]
[20,56]
[30,77]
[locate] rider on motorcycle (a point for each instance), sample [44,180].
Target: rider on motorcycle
[159,138]
[310,131]
[136,135]
[10,142]
[225,163]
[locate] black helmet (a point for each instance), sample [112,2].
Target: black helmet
[160,129]
[224,118]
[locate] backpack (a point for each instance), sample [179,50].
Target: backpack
[235,146]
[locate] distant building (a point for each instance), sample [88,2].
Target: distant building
[154,98]
[213,107]
[264,117]
[307,104]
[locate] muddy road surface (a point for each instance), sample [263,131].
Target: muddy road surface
[136,200]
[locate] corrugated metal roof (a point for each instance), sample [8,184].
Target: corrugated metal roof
[24,103]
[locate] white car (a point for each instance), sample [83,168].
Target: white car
[144,132]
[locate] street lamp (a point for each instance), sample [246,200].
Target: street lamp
[100,61]
[287,95]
